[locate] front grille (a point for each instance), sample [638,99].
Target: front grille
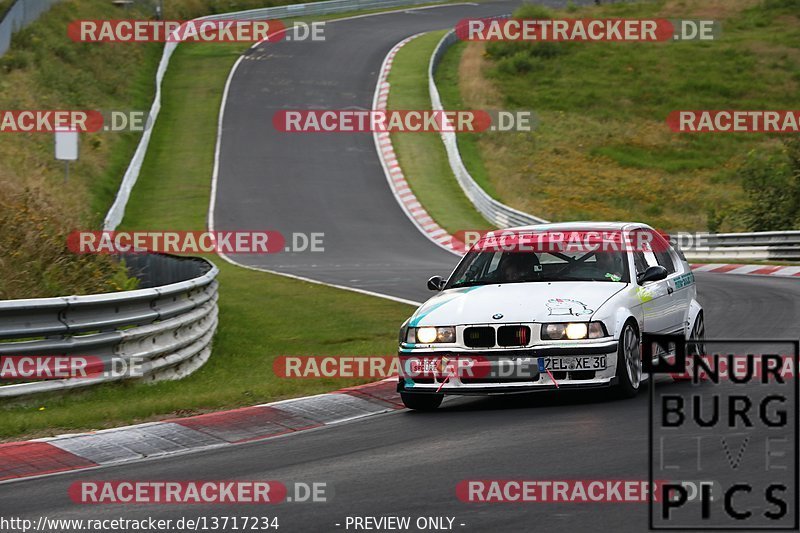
[513,335]
[479,337]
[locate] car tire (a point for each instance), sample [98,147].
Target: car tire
[629,362]
[421,402]
[698,333]
[693,349]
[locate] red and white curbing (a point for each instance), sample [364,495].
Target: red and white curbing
[181,435]
[41,457]
[394,174]
[414,209]
[760,270]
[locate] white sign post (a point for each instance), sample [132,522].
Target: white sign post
[66,148]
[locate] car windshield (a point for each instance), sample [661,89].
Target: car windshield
[490,267]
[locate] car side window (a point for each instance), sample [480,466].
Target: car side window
[665,260]
[678,251]
[639,261]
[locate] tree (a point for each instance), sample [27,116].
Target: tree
[772,185]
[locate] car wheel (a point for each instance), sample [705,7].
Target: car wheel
[694,349]
[421,402]
[699,334]
[629,362]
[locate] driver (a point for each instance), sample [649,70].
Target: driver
[518,266]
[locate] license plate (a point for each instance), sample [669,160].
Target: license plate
[424,366]
[567,364]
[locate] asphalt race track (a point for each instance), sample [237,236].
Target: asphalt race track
[403,463]
[331,183]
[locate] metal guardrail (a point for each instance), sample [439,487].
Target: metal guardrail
[314,8]
[168,324]
[763,245]
[165,327]
[17,16]
[761,238]
[20,14]
[768,245]
[117,211]
[495,212]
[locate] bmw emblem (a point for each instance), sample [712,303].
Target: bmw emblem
[497,316]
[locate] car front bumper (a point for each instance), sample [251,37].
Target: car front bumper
[495,371]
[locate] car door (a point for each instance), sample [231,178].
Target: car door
[658,302]
[678,303]
[678,289]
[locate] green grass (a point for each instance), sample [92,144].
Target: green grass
[664,158]
[446,77]
[422,155]
[262,316]
[43,69]
[175,182]
[602,149]
[4,5]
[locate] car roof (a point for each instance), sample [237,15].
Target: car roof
[580,226]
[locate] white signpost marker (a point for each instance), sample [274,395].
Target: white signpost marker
[66,148]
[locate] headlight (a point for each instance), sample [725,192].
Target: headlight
[426,335]
[577,330]
[554,331]
[597,330]
[573,331]
[431,335]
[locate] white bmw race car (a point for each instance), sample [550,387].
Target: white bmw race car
[545,307]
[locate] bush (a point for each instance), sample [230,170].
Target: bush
[781,4]
[16,60]
[518,57]
[772,186]
[37,263]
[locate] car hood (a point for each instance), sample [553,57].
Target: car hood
[562,301]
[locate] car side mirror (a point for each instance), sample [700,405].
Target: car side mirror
[653,273]
[436,283]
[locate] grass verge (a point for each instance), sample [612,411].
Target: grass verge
[261,315]
[448,83]
[602,149]
[422,155]
[44,69]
